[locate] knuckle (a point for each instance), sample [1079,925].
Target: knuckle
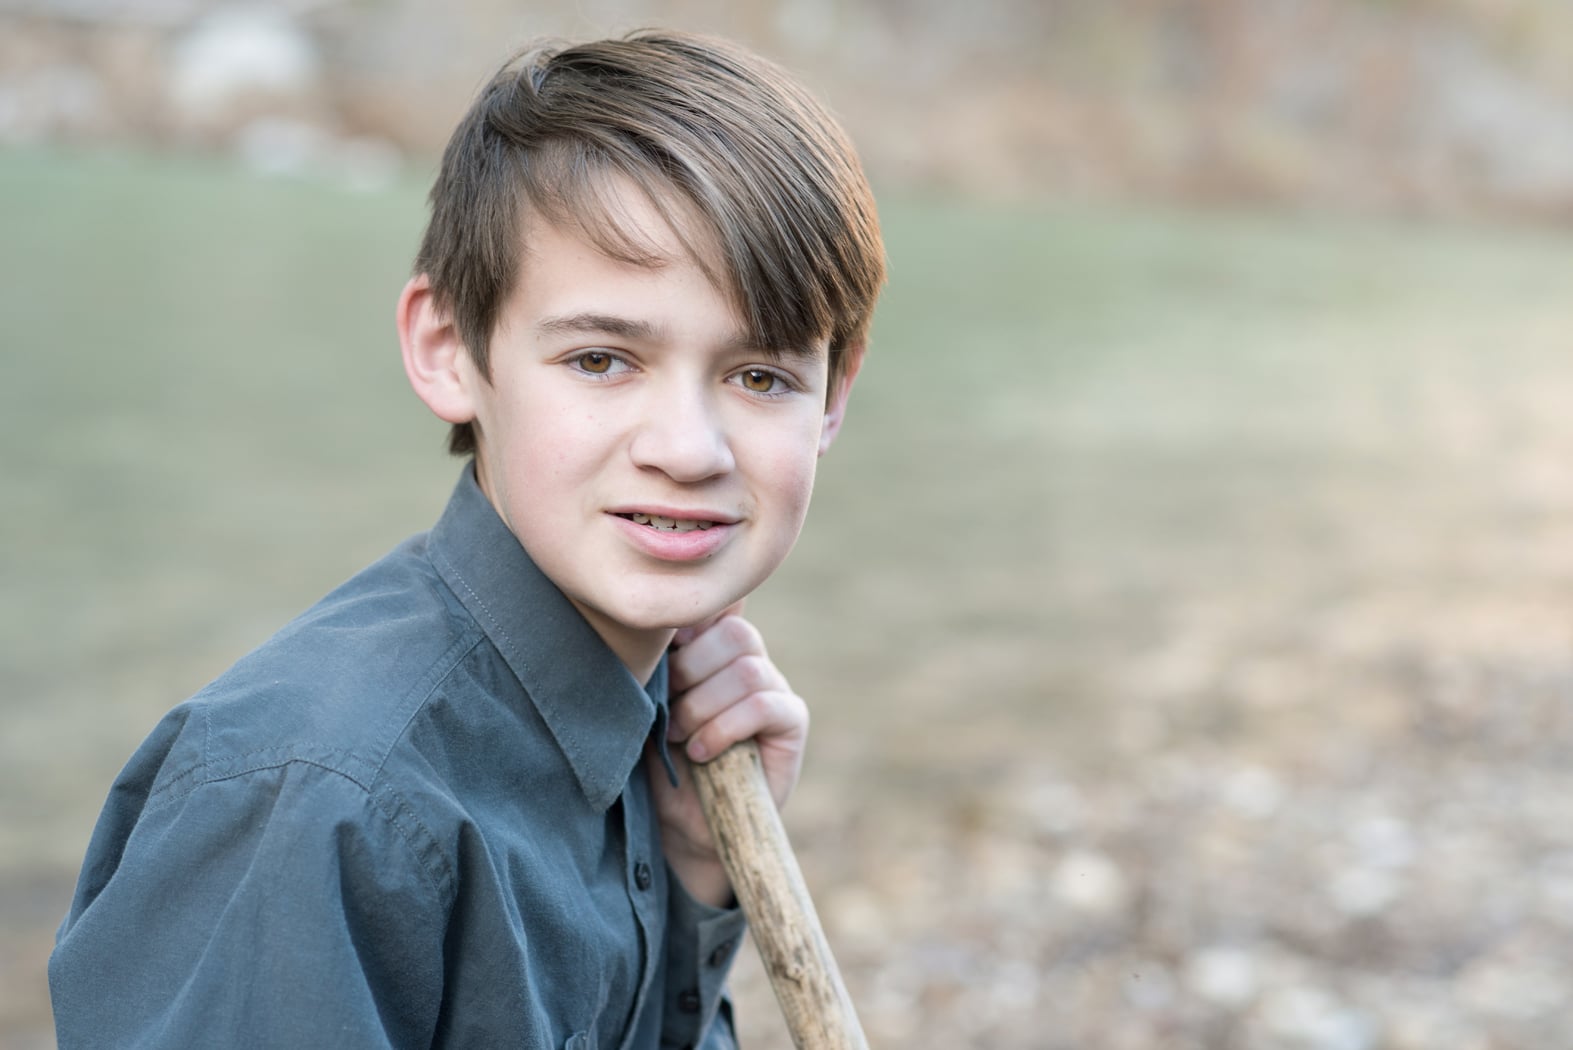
[755,672]
[762,707]
[794,712]
[743,635]
[780,712]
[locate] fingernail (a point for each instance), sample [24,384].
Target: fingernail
[697,751]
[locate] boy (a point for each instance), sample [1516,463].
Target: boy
[450,803]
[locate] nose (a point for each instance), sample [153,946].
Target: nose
[682,434]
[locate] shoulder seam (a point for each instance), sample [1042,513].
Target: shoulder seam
[363,770]
[399,814]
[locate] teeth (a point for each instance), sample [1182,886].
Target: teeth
[669,524]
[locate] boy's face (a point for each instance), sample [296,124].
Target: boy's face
[654,464]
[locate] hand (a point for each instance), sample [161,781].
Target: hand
[725,689]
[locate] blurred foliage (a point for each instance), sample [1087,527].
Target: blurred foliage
[1446,106]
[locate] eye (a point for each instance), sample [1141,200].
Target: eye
[596,362]
[760,381]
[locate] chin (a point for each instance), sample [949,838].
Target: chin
[664,613]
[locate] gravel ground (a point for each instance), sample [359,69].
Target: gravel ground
[1276,758]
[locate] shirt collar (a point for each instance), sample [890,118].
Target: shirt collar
[596,710]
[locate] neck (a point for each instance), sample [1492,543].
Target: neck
[639,649]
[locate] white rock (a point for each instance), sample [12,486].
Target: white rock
[1150,986]
[1308,1017]
[1090,882]
[1426,1025]
[1223,975]
[1056,808]
[1361,892]
[239,52]
[1012,989]
[1384,842]
[855,913]
[1253,792]
[1515,989]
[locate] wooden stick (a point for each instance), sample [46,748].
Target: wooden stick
[768,883]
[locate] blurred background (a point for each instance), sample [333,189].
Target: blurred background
[1184,611]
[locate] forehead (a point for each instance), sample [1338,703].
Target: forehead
[633,270]
[627,221]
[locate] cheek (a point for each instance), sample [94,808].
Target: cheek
[551,443]
[788,470]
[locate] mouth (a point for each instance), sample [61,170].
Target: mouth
[668,524]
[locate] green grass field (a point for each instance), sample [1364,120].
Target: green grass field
[1119,485]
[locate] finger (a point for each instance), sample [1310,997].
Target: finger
[687,634]
[746,674]
[720,644]
[778,719]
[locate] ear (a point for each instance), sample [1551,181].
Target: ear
[836,404]
[435,358]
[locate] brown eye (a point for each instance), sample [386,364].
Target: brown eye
[759,381]
[596,362]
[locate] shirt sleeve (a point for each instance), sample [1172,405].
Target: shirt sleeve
[281,906]
[700,946]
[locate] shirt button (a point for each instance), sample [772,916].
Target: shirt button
[688,1002]
[720,954]
[643,876]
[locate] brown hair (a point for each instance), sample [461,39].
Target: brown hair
[698,124]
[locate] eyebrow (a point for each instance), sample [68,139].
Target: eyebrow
[597,324]
[590,323]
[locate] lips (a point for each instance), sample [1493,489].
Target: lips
[668,524]
[676,534]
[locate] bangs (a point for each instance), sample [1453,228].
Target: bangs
[579,186]
[579,189]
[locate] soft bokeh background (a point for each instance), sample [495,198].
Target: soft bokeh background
[1185,611]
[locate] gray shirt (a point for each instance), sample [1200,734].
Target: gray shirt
[416,816]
